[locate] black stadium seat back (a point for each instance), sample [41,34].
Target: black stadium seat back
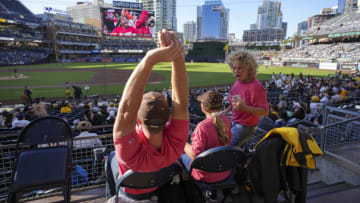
[45,130]
[145,180]
[30,175]
[42,167]
[218,159]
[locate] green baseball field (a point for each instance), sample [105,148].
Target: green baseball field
[48,80]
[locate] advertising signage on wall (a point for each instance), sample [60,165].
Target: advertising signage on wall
[124,22]
[124,4]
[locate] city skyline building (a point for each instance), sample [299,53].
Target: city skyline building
[269,25]
[302,27]
[212,21]
[351,5]
[269,15]
[189,31]
[341,6]
[165,13]
[87,12]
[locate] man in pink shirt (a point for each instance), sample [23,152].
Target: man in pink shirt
[146,137]
[214,131]
[247,97]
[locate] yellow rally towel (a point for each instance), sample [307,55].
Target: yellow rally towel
[303,147]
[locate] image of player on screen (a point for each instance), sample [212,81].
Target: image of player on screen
[143,24]
[123,26]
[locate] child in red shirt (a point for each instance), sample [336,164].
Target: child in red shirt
[214,131]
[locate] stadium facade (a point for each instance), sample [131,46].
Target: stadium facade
[331,44]
[22,35]
[212,21]
[54,36]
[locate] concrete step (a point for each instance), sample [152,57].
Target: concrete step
[346,196]
[321,189]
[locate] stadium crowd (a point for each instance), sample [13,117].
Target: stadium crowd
[347,52]
[19,57]
[347,22]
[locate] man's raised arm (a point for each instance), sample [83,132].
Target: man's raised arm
[134,89]
[179,82]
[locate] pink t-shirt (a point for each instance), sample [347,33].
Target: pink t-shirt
[135,152]
[253,94]
[205,137]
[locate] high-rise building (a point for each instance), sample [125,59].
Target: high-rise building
[189,31]
[269,26]
[302,27]
[341,6]
[165,13]
[86,12]
[284,27]
[253,26]
[212,21]
[351,5]
[269,15]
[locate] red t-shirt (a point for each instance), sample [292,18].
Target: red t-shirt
[253,94]
[205,137]
[135,152]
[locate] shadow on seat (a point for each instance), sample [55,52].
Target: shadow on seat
[145,180]
[40,167]
[216,160]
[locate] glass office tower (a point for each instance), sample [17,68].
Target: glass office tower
[212,21]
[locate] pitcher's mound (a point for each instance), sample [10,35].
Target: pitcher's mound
[13,77]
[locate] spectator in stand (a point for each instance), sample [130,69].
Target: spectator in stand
[212,132]
[39,108]
[325,99]
[111,118]
[337,98]
[66,108]
[19,121]
[247,97]
[146,137]
[273,77]
[274,112]
[282,103]
[67,90]
[299,111]
[27,94]
[343,94]
[279,83]
[77,92]
[282,120]
[7,119]
[315,107]
[96,117]
[84,127]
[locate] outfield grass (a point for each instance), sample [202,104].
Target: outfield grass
[200,74]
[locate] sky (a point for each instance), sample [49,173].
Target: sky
[242,12]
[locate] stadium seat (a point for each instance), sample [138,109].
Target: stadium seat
[216,160]
[39,167]
[145,180]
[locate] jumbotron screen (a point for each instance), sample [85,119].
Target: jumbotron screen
[124,22]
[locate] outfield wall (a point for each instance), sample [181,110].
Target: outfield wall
[328,66]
